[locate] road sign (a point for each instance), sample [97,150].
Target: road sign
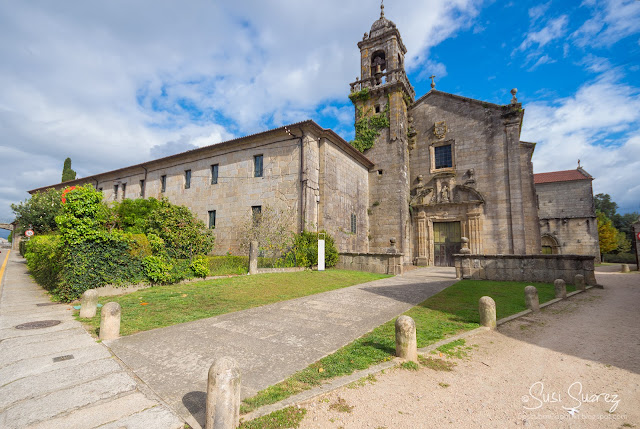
[29,233]
[638,236]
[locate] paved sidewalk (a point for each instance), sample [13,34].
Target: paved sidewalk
[59,376]
[269,342]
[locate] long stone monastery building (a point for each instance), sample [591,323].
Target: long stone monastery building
[426,173]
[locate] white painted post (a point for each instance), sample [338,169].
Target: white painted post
[321,252]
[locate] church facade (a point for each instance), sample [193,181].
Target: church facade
[421,173]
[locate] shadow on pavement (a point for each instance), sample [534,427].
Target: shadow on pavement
[196,403]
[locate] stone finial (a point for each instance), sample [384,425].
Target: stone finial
[365,36]
[406,344]
[433,82]
[579,282]
[110,321]
[88,304]
[514,100]
[465,246]
[381,8]
[223,395]
[487,308]
[253,257]
[561,288]
[531,298]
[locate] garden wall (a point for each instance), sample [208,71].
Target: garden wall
[381,263]
[525,268]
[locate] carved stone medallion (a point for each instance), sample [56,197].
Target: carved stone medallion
[440,129]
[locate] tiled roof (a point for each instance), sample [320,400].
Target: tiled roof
[561,176]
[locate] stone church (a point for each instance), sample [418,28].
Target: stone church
[420,175]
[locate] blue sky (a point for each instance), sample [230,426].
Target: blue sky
[116,83]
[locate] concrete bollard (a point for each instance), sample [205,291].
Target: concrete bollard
[624,268]
[579,282]
[406,344]
[89,304]
[487,307]
[223,395]
[253,257]
[110,321]
[531,298]
[561,288]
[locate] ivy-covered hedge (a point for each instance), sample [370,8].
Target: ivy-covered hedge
[44,259]
[306,249]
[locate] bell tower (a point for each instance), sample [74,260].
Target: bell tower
[381,96]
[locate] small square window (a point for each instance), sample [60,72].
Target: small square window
[443,157]
[214,174]
[163,184]
[377,108]
[187,179]
[212,219]
[142,189]
[257,166]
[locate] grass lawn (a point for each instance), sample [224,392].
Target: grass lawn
[161,306]
[447,313]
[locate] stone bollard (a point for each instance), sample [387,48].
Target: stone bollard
[561,288]
[531,298]
[624,268]
[223,395]
[579,282]
[253,257]
[487,307]
[110,321]
[89,304]
[406,344]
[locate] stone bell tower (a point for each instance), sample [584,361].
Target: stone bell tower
[381,97]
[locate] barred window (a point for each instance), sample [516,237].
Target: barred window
[443,158]
[354,223]
[257,166]
[214,174]
[163,184]
[212,219]
[187,179]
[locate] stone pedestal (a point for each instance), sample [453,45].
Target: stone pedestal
[487,308]
[110,321]
[531,298]
[561,288]
[406,343]
[223,395]
[89,304]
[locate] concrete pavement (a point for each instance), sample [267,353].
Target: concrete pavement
[269,342]
[59,376]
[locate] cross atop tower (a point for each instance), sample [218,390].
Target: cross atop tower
[381,8]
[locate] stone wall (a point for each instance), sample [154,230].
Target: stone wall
[568,218]
[381,263]
[525,268]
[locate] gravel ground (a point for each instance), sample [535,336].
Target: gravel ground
[580,356]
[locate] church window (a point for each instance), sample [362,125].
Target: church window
[354,223]
[187,179]
[257,166]
[214,174]
[443,156]
[212,219]
[163,184]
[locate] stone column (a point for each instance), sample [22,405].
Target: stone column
[89,304]
[110,321]
[223,395]
[406,343]
[487,307]
[253,257]
[422,259]
[531,298]
[579,282]
[561,288]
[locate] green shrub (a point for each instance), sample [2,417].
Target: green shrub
[200,266]
[131,215]
[229,264]
[22,247]
[184,235]
[157,269]
[619,258]
[140,247]
[83,215]
[306,249]
[39,212]
[44,254]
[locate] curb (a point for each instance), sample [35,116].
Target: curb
[339,382]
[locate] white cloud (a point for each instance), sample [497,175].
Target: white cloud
[555,29]
[612,20]
[583,127]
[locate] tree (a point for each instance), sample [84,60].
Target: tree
[271,228]
[605,205]
[39,212]
[607,234]
[67,173]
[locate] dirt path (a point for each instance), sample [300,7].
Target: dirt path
[591,341]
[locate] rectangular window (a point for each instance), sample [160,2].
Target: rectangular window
[214,174]
[212,219]
[163,184]
[353,223]
[142,189]
[256,213]
[115,192]
[257,166]
[187,179]
[443,158]
[124,191]
[99,189]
